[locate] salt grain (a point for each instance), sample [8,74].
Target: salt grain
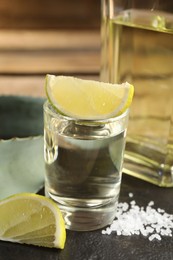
[154,236]
[147,221]
[151,203]
[130,195]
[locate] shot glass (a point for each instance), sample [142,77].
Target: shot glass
[83,160]
[137,46]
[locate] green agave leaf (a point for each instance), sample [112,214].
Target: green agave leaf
[21,116]
[21,165]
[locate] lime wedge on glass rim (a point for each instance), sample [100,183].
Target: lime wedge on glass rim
[32,219]
[87,99]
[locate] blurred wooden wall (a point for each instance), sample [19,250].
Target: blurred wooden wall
[49,14]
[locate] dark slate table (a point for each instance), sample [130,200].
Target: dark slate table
[95,246]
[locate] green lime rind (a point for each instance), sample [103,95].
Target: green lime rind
[49,98]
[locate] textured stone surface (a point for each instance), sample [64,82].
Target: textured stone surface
[95,246]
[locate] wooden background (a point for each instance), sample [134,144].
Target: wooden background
[48,14]
[47,36]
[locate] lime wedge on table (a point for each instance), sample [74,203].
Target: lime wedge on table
[87,99]
[31,219]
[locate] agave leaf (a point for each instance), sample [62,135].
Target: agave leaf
[21,116]
[21,165]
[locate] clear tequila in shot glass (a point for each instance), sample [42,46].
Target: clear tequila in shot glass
[83,160]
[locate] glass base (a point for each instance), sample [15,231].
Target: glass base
[148,164]
[86,218]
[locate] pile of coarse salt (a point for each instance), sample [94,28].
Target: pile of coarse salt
[134,220]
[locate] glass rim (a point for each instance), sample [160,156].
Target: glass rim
[51,110]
